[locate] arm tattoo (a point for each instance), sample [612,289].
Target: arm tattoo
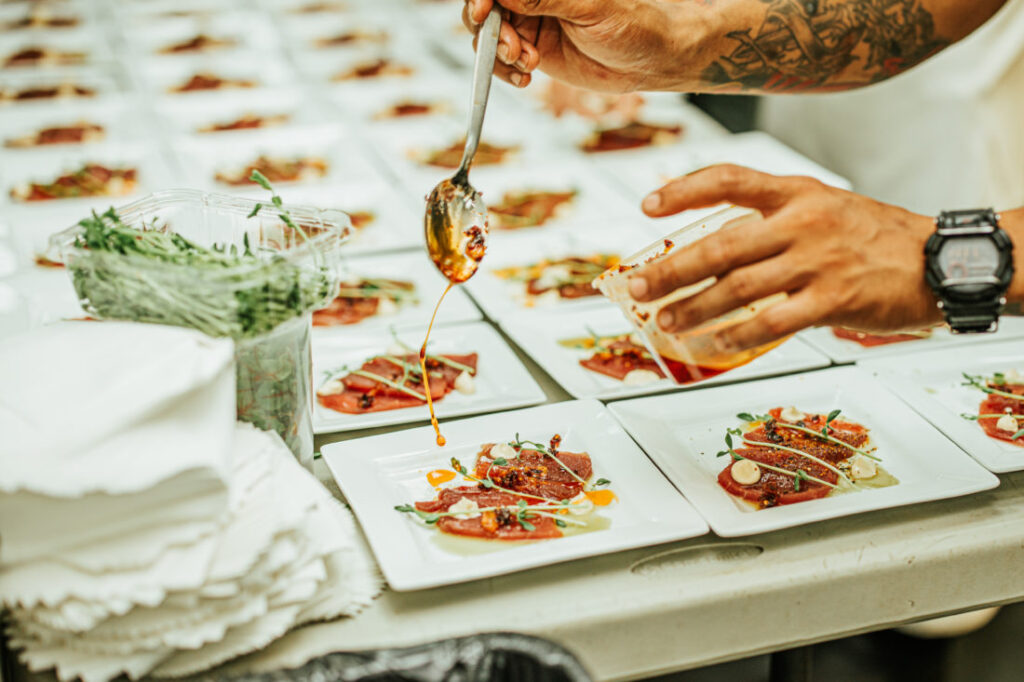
[826,45]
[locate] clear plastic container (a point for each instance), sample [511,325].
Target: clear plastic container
[691,355]
[265,306]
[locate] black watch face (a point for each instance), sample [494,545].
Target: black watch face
[968,258]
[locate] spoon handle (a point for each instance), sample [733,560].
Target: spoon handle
[483,70]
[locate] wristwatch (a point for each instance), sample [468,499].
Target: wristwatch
[969,267]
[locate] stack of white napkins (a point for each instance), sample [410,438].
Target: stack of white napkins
[143,531]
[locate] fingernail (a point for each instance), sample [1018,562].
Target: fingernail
[665,319]
[652,202]
[516,78]
[503,53]
[521,62]
[637,287]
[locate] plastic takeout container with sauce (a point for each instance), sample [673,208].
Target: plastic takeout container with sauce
[691,355]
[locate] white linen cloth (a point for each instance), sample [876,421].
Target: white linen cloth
[228,541]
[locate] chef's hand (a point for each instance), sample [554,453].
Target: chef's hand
[842,258]
[605,45]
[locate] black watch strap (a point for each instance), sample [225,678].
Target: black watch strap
[972,319]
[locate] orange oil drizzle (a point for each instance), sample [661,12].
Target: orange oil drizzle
[423,366]
[440,476]
[601,498]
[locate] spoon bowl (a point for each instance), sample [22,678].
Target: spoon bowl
[456,229]
[455,223]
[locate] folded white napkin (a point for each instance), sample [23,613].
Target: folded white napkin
[117,443]
[286,554]
[144,399]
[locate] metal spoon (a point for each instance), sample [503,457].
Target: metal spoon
[456,219]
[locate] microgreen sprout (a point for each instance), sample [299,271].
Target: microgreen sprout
[823,434]
[979,383]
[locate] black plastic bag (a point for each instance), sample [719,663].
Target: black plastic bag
[492,657]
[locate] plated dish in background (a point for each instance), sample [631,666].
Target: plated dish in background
[206,82]
[850,346]
[472,368]
[970,397]
[45,92]
[592,353]
[552,279]
[276,170]
[373,69]
[90,180]
[528,208]
[688,436]
[633,135]
[42,56]
[391,291]
[490,502]
[81,132]
[487,154]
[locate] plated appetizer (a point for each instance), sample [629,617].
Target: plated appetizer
[318,7]
[201,82]
[407,108]
[631,136]
[357,301]
[517,210]
[869,340]
[519,490]
[1001,413]
[199,43]
[564,278]
[40,18]
[451,156]
[246,122]
[788,456]
[299,169]
[43,56]
[62,91]
[91,180]
[378,68]
[394,380]
[354,37]
[77,133]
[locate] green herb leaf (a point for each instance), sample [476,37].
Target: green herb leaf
[500,462]
[746,416]
[527,526]
[560,523]
[254,211]
[601,482]
[261,180]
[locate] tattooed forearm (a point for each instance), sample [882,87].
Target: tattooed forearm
[819,45]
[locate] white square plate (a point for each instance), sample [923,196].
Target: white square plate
[379,472]
[844,351]
[932,384]
[414,267]
[683,432]
[501,381]
[539,333]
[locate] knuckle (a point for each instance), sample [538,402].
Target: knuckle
[741,287]
[719,253]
